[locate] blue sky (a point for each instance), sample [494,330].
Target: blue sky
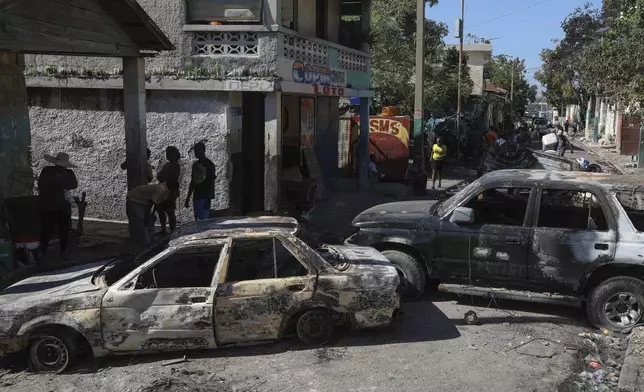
[519,28]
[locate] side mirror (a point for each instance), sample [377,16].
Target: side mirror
[462,215]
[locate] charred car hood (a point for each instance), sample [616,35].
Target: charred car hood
[67,289]
[402,212]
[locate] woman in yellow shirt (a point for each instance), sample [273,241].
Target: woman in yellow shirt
[439,151]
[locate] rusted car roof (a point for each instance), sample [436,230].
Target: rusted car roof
[222,227]
[609,181]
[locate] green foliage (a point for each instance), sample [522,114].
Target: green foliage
[499,71]
[601,54]
[393,60]
[567,70]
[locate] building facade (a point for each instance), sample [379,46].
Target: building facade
[257,81]
[477,56]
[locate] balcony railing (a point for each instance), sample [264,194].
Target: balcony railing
[319,52]
[230,41]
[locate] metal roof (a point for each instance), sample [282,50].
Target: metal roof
[137,24]
[130,17]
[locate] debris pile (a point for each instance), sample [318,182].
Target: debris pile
[602,365]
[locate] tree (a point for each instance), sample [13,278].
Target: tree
[499,71]
[393,59]
[568,70]
[601,54]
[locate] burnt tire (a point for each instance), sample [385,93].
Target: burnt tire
[411,273]
[315,327]
[616,303]
[52,351]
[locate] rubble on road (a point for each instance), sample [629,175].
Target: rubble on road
[471,318]
[600,362]
[632,377]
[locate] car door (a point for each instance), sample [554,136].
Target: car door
[260,281]
[574,231]
[167,304]
[494,248]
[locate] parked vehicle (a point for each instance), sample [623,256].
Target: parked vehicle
[556,237]
[217,283]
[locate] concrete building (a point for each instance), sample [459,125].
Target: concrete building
[477,56]
[118,30]
[257,80]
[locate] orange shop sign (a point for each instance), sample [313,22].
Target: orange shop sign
[391,126]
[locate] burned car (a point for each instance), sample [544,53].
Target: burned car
[570,238]
[216,283]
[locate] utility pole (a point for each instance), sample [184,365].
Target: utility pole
[417,149]
[460,66]
[512,93]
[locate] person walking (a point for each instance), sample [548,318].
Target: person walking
[140,202]
[439,151]
[53,183]
[170,174]
[562,143]
[150,168]
[202,183]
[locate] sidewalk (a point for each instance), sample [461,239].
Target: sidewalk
[632,376]
[609,154]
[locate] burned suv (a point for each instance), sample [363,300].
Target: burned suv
[544,236]
[217,283]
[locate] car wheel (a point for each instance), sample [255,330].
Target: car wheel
[315,327]
[52,352]
[410,271]
[616,304]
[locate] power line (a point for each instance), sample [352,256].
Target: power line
[511,13]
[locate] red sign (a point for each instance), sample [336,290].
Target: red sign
[328,90]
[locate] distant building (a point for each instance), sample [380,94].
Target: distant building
[477,56]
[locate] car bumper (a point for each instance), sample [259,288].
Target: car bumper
[379,316]
[12,345]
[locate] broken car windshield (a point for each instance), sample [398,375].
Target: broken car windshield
[447,205]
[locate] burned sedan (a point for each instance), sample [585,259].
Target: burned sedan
[569,238]
[216,283]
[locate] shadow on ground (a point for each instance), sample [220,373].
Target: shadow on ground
[419,322]
[540,313]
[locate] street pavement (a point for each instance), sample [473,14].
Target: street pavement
[517,346]
[520,347]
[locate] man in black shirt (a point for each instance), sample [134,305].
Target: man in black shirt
[53,182]
[202,184]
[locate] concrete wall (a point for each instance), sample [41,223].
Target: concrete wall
[476,74]
[306,18]
[14,128]
[170,17]
[477,56]
[88,124]
[333,21]
[326,138]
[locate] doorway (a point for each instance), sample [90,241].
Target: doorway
[252,152]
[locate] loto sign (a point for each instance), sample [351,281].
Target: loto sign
[319,75]
[326,90]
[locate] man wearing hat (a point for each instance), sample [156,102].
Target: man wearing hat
[53,183]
